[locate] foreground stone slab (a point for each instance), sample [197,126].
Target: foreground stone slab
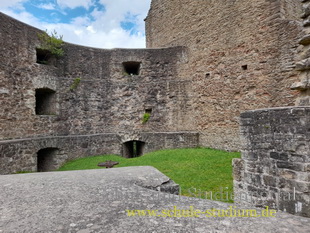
[98,200]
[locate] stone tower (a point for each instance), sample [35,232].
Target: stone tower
[246,55]
[241,56]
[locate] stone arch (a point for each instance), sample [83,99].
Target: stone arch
[47,159]
[132,149]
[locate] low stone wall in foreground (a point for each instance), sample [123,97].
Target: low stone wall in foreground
[275,166]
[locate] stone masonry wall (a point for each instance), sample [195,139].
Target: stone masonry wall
[119,101]
[92,95]
[275,167]
[104,101]
[303,84]
[241,56]
[21,154]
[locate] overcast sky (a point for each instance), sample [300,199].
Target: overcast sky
[95,23]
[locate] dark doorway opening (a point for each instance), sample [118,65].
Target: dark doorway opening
[133,149]
[45,101]
[47,159]
[132,67]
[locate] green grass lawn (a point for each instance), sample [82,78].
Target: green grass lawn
[200,169]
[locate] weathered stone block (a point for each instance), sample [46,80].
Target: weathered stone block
[305,40]
[290,165]
[270,180]
[306,11]
[298,158]
[292,185]
[303,65]
[238,169]
[288,174]
[279,156]
[253,179]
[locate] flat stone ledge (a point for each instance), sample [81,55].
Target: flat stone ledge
[97,200]
[279,108]
[245,114]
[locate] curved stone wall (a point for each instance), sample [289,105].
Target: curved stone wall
[86,101]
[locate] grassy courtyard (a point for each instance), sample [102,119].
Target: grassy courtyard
[198,171]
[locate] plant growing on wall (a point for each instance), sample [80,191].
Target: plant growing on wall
[75,84]
[146,117]
[52,43]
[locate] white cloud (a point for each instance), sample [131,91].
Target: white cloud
[116,12]
[25,17]
[49,6]
[74,3]
[11,3]
[103,31]
[91,29]
[81,21]
[88,36]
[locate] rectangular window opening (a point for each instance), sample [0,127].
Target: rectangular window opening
[43,56]
[45,101]
[244,67]
[131,68]
[148,110]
